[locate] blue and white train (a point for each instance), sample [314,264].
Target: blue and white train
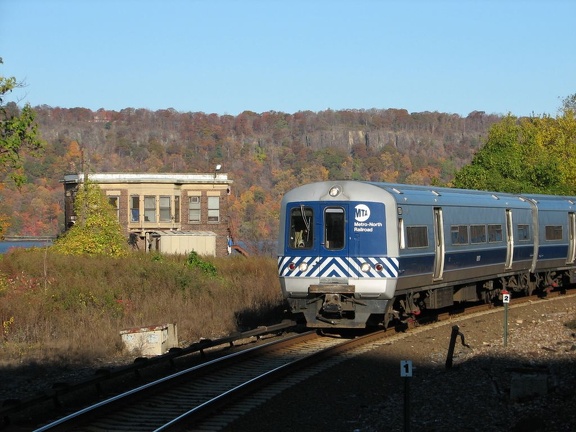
[355,254]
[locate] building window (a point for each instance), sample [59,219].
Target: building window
[150,209]
[213,209]
[165,209]
[135,208]
[114,201]
[194,209]
[177,209]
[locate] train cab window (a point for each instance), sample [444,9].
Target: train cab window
[553,232]
[416,236]
[334,228]
[494,233]
[459,234]
[477,234]
[523,232]
[301,226]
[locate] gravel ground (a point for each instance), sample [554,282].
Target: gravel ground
[527,385]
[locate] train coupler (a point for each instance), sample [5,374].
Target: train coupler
[332,304]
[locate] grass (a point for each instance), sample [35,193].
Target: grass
[71,309]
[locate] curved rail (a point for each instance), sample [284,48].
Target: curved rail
[11,407]
[193,393]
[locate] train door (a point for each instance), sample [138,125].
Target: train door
[334,242]
[571,238]
[334,228]
[438,244]
[509,239]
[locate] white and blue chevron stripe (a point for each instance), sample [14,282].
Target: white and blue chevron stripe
[322,267]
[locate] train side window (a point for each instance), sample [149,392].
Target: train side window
[416,236]
[459,234]
[334,228]
[523,232]
[494,233]
[301,227]
[478,234]
[553,232]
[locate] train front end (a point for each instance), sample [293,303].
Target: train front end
[338,253]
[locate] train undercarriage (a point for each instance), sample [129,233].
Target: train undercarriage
[412,304]
[337,306]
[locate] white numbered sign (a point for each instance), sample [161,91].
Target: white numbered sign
[406,368]
[506,298]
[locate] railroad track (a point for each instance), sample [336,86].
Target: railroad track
[200,397]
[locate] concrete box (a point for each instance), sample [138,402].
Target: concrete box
[150,341]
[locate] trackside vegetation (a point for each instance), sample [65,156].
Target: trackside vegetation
[56,307]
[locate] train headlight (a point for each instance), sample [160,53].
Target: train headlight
[335,191]
[365,267]
[302,267]
[379,267]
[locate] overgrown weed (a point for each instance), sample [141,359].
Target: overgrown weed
[57,307]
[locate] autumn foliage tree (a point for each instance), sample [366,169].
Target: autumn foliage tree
[97,231]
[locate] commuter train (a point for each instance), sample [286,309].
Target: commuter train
[354,254]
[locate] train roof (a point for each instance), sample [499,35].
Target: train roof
[424,195]
[553,202]
[435,195]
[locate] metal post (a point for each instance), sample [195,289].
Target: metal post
[455,332]
[406,373]
[406,404]
[505,324]
[505,300]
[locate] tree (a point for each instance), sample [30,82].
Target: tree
[97,231]
[18,132]
[532,155]
[569,102]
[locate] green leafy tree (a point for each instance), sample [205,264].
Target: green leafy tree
[531,155]
[18,132]
[97,231]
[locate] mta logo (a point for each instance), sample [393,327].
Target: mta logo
[361,213]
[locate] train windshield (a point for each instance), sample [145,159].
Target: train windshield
[301,226]
[334,228]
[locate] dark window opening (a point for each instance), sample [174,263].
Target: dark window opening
[416,236]
[553,232]
[301,227]
[334,228]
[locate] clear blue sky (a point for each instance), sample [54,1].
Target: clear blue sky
[228,56]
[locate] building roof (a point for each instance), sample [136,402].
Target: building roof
[103,178]
[182,233]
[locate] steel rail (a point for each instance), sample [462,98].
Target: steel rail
[11,407]
[76,420]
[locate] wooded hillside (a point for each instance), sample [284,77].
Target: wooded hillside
[264,154]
